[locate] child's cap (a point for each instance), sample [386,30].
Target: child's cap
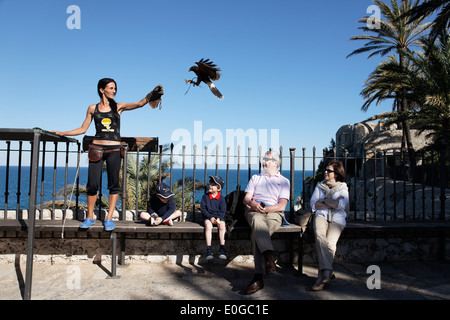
[163,190]
[217,180]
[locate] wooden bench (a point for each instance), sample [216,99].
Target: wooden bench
[354,229]
[125,228]
[401,229]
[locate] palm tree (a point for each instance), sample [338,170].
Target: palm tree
[388,81]
[430,89]
[427,8]
[148,171]
[394,35]
[186,199]
[149,177]
[425,84]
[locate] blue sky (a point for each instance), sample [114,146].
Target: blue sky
[284,66]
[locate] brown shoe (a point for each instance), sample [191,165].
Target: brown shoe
[318,285]
[270,264]
[254,286]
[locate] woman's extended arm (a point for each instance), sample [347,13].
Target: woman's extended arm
[153,98]
[131,106]
[84,126]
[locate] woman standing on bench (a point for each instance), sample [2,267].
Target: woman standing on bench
[107,144]
[329,202]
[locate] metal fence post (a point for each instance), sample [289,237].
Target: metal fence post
[443,180]
[194,182]
[292,158]
[182,181]
[124,181]
[32,213]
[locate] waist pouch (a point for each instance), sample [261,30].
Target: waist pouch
[95,152]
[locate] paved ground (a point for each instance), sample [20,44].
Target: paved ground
[223,281]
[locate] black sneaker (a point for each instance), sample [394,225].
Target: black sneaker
[222,253]
[209,253]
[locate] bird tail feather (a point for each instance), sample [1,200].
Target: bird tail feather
[215,91]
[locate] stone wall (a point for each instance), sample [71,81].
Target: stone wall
[369,135]
[407,197]
[55,247]
[51,248]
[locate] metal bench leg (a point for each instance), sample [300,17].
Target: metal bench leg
[291,249]
[300,255]
[114,256]
[122,250]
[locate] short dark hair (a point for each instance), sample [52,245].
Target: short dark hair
[338,169]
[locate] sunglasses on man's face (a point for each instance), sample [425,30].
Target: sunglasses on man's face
[266,159]
[328,171]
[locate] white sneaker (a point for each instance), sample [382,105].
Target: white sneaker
[168,222]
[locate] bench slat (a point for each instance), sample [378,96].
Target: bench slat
[121,226]
[194,227]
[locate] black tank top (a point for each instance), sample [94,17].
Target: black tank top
[107,125]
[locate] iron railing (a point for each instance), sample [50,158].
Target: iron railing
[381,186]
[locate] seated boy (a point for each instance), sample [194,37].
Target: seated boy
[213,208]
[161,207]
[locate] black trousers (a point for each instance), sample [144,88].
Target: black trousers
[113,162]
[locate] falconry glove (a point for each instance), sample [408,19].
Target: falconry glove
[154,97]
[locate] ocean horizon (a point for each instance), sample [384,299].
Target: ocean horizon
[47,183]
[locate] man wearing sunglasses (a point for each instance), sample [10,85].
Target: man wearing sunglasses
[265,199]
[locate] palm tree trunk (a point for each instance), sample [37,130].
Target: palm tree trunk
[403,106]
[409,146]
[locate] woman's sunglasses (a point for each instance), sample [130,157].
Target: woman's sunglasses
[328,171]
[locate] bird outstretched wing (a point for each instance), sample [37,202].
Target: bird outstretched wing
[208,68]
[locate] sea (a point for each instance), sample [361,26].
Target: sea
[18,194]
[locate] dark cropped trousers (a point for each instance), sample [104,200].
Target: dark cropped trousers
[113,162]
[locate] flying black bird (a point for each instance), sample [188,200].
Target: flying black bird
[206,72]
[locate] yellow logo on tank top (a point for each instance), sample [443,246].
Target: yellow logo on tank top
[106,123]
